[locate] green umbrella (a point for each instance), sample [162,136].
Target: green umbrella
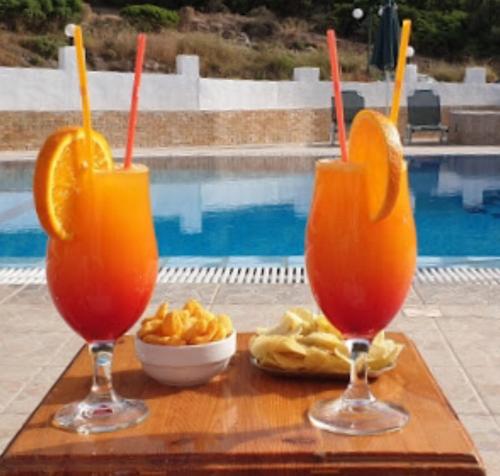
[385,50]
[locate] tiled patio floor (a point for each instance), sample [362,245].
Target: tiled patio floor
[456,328]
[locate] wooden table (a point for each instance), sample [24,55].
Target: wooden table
[245,422]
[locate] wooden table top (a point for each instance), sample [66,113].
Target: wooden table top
[245,422]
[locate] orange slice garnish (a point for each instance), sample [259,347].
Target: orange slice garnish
[58,169]
[374,142]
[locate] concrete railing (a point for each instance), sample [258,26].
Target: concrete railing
[29,89]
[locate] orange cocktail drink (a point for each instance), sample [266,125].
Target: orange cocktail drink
[102,261]
[102,256]
[360,258]
[102,278]
[360,269]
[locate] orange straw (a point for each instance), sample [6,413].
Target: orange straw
[84,93]
[400,71]
[132,121]
[339,107]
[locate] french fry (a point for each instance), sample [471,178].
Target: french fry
[162,311]
[207,336]
[220,333]
[152,326]
[173,324]
[225,323]
[154,339]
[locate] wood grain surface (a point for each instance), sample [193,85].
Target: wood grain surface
[245,422]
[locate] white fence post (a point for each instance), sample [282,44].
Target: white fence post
[305,74]
[188,65]
[475,75]
[67,59]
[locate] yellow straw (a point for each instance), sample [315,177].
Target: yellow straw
[400,71]
[84,93]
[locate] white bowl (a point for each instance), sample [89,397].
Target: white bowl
[187,364]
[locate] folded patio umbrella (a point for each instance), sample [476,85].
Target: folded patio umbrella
[386,48]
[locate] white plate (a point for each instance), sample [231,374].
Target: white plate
[314,375]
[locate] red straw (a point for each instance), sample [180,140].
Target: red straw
[339,107]
[132,120]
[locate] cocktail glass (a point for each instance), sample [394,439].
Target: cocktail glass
[101,280]
[360,271]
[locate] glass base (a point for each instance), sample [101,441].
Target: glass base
[357,417]
[86,418]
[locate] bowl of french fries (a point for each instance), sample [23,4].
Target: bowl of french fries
[306,344]
[183,347]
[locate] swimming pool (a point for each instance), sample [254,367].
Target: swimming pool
[218,212]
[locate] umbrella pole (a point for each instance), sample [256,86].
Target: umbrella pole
[387,91]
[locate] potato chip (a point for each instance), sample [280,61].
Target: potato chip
[322,339]
[290,323]
[315,359]
[289,361]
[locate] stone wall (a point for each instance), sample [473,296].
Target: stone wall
[26,130]
[475,127]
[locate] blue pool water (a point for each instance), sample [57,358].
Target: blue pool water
[201,213]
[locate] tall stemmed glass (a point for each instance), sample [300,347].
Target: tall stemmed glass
[360,258]
[101,280]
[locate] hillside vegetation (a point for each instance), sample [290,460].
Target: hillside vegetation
[261,39]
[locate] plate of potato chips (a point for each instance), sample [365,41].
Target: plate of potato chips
[306,344]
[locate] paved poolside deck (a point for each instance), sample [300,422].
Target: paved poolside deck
[456,328]
[279,150]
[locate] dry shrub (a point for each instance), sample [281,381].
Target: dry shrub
[162,49]
[272,64]
[11,53]
[109,49]
[294,26]
[352,63]
[441,70]
[218,57]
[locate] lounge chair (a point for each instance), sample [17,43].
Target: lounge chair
[353,103]
[424,114]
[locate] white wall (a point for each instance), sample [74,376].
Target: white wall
[29,89]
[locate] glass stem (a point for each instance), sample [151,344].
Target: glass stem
[358,391]
[102,383]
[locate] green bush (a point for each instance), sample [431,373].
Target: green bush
[149,17]
[39,15]
[44,46]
